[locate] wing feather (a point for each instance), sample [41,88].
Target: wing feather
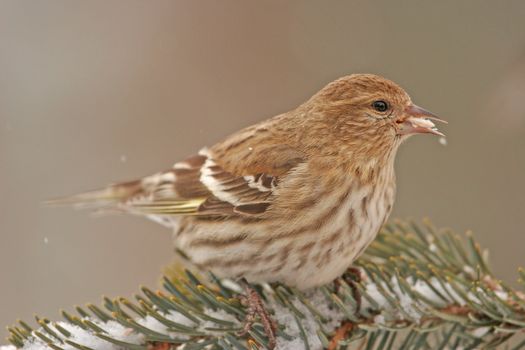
[198,185]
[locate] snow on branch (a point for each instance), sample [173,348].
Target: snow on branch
[418,288]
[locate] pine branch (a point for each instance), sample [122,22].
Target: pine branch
[420,289]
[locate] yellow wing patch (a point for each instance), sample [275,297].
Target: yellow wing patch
[168,207]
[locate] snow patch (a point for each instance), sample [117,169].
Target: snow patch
[441,294]
[286,317]
[7,347]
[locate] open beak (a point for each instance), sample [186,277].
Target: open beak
[417,120]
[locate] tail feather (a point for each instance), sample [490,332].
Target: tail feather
[151,195]
[102,198]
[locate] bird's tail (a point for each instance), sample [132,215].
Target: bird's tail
[106,198]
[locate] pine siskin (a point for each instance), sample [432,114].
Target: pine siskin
[295,198]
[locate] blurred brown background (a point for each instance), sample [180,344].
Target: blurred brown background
[98,91]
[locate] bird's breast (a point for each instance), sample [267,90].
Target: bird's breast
[303,247]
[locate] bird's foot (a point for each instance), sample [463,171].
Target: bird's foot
[352,277]
[256,307]
[340,334]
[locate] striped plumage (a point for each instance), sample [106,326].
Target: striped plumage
[295,198]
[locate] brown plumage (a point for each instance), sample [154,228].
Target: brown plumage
[296,198]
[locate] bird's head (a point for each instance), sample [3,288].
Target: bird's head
[369,112]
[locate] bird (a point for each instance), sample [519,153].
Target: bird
[294,199]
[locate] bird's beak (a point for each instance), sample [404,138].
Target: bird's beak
[416,120]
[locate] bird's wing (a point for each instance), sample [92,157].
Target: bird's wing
[204,184]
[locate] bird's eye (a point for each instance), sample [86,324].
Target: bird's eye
[380,106]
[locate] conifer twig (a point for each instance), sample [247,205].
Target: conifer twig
[422,288]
